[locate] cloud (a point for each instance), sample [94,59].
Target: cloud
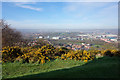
[86,5]
[91,8]
[101,15]
[23,5]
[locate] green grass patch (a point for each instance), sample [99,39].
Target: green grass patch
[11,70]
[105,67]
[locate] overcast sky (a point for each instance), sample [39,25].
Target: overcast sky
[61,15]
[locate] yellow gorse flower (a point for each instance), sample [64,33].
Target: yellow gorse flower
[48,52]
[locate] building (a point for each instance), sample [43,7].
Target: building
[113,40]
[111,35]
[40,37]
[82,36]
[55,37]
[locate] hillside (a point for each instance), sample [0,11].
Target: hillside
[105,67]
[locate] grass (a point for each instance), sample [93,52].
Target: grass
[11,70]
[105,67]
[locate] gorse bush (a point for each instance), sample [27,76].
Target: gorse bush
[111,53]
[78,55]
[41,55]
[9,54]
[60,51]
[49,52]
[108,53]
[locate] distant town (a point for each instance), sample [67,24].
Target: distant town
[51,37]
[105,37]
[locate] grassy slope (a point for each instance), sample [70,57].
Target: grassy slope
[16,69]
[106,67]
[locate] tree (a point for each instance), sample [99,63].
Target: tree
[10,37]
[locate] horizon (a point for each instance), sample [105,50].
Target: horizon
[66,30]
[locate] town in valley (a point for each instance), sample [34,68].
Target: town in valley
[75,39]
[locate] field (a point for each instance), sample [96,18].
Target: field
[104,67]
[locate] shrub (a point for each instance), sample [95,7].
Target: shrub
[40,55]
[10,37]
[78,55]
[49,52]
[108,53]
[116,52]
[10,53]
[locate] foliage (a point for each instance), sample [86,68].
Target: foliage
[112,53]
[49,52]
[60,51]
[78,55]
[40,43]
[40,55]
[10,37]
[9,54]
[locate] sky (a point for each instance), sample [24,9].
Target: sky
[61,15]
